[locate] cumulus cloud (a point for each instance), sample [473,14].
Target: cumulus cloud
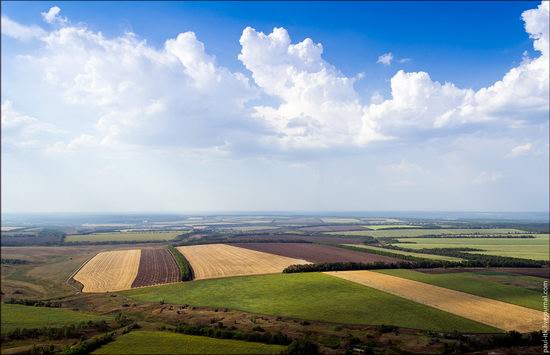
[53,17]
[319,106]
[385,59]
[521,150]
[180,96]
[18,31]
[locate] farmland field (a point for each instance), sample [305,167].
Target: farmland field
[20,316]
[516,289]
[154,342]
[400,252]
[317,253]
[339,220]
[528,248]
[109,271]
[221,260]
[313,296]
[156,266]
[394,233]
[390,226]
[491,312]
[124,236]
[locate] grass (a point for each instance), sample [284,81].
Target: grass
[394,233]
[399,252]
[537,248]
[477,284]
[390,226]
[124,236]
[20,316]
[311,296]
[185,270]
[154,342]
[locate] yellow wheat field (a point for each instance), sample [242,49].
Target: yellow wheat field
[498,314]
[221,260]
[109,271]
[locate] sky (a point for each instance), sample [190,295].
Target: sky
[275,106]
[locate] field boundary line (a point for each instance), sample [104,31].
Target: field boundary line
[75,272]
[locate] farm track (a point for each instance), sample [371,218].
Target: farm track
[220,260]
[317,253]
[110,271]
[498,314]
[156,266]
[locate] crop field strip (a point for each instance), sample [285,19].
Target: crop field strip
[155,342]
[110,271]
[405,232]
[156,266]
[390,226]
[125,236]
[309,296]
[408,253]
[317,253]
[221,260]
[495,313]
[537,248]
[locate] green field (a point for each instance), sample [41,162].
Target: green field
[124,236]
[312,296]
[480,285]
[393,233]
[390,226]
[151,342]
[527,248]
[20,316]
[399,252]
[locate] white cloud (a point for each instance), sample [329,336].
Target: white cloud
[486,177]
[53,17]
[402,167]
[405,60]
[521,150]
[385,59]
[318,107]
[22,131]
[18,31]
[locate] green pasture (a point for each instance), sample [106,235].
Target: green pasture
[155,342]
[311,296]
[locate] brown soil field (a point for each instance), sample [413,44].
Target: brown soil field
[498,314]
[156,266]
[317,253]
[528,271]
[109,271]
[338,228]
[325,239]
[220,260]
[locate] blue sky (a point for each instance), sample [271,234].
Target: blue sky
[233,115]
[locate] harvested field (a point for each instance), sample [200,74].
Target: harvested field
[333,228]
[407,253]
[221,260]
[317,253]
[156,266]
[110,271]
[488,311]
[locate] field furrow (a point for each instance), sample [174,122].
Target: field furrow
[156,266]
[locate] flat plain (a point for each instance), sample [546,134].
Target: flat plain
[21,316]
[221,260]
[488,311]
[124,236]
[311,296]
[154,342]
[109,271]
[537,248]
[395,233]
[317,253]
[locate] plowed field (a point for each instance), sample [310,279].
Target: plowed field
[221,260]
[317,253]
[109,271]
[156,266]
